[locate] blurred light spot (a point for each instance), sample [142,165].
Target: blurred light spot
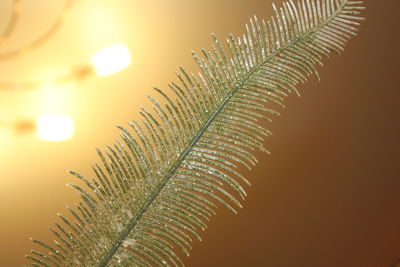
[111,59]
[54,127]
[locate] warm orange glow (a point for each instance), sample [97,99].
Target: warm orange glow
[54,127]
[111,59]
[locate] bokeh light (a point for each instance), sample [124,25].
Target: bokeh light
[111,59]
[54,127]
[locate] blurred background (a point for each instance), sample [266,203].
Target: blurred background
[327,196]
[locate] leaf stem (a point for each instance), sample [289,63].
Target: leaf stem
[139,214]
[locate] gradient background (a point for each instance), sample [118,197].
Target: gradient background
[327,197]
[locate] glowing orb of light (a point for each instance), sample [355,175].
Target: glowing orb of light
[54,127]
[111,59]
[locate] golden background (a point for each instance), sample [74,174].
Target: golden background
[327,197]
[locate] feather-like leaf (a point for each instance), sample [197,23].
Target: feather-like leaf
[161,183]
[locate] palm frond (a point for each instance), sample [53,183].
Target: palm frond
[160,184]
